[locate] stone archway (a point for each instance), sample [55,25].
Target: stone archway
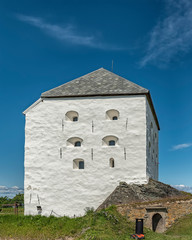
[157,223]
[156,218]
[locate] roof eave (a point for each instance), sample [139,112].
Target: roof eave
[94,95]
[32,106]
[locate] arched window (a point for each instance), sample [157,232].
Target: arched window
[111,163]
[112,114]
[72,116]
[74,142]
[111,143]
[77,144]
[78,164]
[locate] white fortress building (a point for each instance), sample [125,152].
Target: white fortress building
[85,137]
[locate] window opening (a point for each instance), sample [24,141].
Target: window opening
[77,144]
[112,114]
[81,164]
[75,119]
[115,118]
[111,143]
[111,163]
[78,164]
[72,116]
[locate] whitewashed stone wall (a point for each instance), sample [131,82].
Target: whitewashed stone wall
[152,145]
[50,180]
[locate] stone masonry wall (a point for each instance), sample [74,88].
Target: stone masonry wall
[175,209]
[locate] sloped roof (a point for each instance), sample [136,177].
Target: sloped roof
[100,83]
[97,83]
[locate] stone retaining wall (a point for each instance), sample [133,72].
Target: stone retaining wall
[158,216]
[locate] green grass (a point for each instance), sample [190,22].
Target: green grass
[103,225]
[11,211]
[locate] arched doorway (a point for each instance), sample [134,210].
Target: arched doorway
[156,218]
[157,223]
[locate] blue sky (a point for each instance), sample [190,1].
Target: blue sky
[44,44]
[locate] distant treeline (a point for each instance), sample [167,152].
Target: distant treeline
[19,198]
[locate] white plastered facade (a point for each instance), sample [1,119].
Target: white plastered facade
[52,182]
[152,144]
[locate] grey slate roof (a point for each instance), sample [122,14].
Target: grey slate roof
[97,83]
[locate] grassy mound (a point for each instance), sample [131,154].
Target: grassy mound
[106,224]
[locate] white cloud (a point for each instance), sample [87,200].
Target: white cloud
[182,187]
[181,146]
[3,187]
[172,35]
[15,187]
[10,192]
[65,33]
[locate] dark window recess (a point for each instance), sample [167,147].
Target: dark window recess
[112,163]
[81,165]
[115,118]
[75,119]
[111,143]
[77,144]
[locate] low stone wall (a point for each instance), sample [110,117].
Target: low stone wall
[158,216]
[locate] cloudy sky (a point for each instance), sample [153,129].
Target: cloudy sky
[10,192]
[44,44]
